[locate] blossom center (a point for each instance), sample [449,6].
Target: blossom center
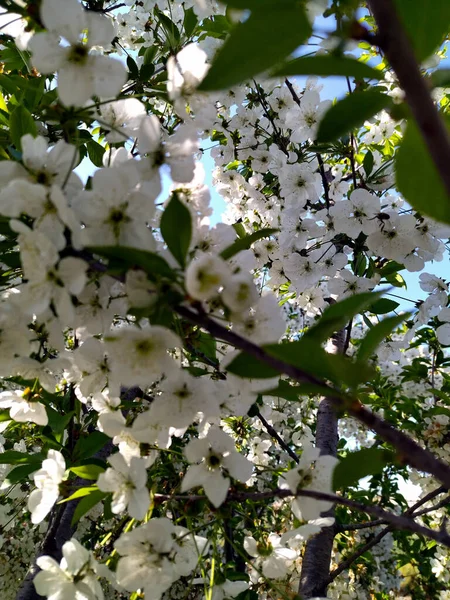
[78,54]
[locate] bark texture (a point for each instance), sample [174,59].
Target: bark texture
[317,557]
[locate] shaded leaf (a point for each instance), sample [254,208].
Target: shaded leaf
[350,113]
[440,78]
[356,465]
[20,123]
[87,503]
[95,153]
[90,445]
[22,473]
[377,334]
[417,177]
[383,306]
[308,356]
[337,316]
[327,65]
[12,457]
[426,23]
[273,31]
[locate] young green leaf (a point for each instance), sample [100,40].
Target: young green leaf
[176,229]
[80,493]
[417,177]
[377,334]
[272,32]
[327,65]
[87,471]
[244,243]
[356,465]
[350,113]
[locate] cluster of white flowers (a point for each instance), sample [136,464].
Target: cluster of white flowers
[88,341]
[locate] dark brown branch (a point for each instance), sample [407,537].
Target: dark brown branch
[412,511]
[394,42]
[341,527]
[408,450]
[397,521]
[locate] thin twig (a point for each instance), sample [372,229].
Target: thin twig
[274,433]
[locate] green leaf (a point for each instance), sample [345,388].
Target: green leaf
[20,123]
[95,153]
[308,356]
[171,30]
[190,21]
[4,416]
[426,23]
[176,229]
[244,243]
[273,31]
[383,306]
[350,113]
[336,316]
[56,421]
[22,473]
[80,493]
[87,503]
[377,334]
[246,365]
[327,65]
[12,457]
[86,447]
[87,471]
[368,163]
[132,68]
[154,265]
[440,78]
[356,465]
[417,177]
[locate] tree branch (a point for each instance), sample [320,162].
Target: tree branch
[394,42]
[344,565]
[402,522]
[408,450]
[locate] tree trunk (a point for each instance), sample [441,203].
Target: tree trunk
[60,528]
[317,555]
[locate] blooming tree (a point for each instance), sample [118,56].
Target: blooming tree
[239,410]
